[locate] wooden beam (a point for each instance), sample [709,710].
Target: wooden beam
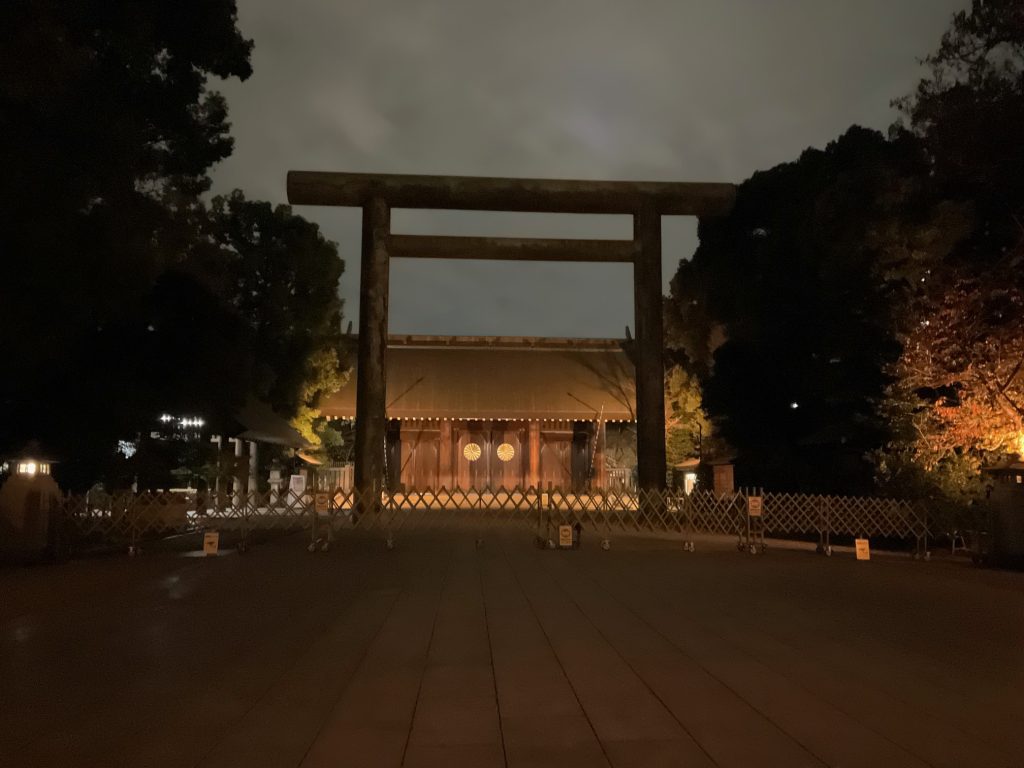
[371,425]
[477,193]
[510,248]
[650,366]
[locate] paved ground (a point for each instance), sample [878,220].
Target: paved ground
[439,654]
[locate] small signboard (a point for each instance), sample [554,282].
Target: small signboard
[755,506]
[862,548]
[724,483]
[565,536]
[211,542]
[322,503]
[297,485]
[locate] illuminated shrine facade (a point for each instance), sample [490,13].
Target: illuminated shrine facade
[492,412]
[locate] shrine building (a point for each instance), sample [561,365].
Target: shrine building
[505,412]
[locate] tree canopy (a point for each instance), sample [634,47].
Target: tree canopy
[283,277]
[860,311]
[126,294]
[958,396]
[783,311]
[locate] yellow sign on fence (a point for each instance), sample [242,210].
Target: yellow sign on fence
[755,506]
[863,549]
[211,542]
[565,536]
[322,503]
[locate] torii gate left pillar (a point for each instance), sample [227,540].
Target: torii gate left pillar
[377,194]
[371,379]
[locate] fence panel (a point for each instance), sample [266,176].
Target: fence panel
[128,518]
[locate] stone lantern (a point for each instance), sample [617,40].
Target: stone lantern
[29,507]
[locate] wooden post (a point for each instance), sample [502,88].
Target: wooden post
[600,447]
[237,473]
[534,478]
[444,468]
[254,468]
[650,367]
[373,340]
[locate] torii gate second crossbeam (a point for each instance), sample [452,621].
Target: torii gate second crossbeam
[378,194]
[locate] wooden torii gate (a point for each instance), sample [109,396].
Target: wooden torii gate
[377,194]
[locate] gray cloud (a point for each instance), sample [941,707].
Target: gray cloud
[681,90]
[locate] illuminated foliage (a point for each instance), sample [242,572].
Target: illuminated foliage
[686,426]
[958,398]
[964,356]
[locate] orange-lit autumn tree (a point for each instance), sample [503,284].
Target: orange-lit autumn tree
[964,356]
[958,395]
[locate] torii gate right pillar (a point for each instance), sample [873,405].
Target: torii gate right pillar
[650,345]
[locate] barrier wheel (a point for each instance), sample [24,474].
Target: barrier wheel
[325,546]
[927,556]
[828,551]
[605,544]
[311,547]
[753,549]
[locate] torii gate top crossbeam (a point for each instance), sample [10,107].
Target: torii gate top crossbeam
[477,193]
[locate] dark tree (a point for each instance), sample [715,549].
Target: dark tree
[786,309]
[969,112]
[108,130]
[282,279]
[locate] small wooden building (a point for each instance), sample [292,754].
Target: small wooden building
[492,412]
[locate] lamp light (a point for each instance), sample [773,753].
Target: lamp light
[31,468]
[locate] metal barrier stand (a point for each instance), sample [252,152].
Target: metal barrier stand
[825,528]
[754,508]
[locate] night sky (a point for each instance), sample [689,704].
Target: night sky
[681,90]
